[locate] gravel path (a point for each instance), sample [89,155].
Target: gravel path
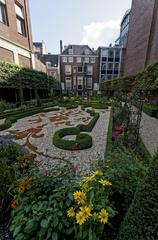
[149,132]
[37,131]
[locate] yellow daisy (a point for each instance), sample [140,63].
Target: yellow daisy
[86,210]
[103,216]
[71,212]
[79,196]
[105,182]
[80,218]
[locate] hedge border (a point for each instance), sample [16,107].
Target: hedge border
[12,119]
[109,135]
[82,141]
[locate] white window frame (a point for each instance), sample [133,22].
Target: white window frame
[68,80]
[89,72]
[78,59]
[64,59]
[68,72]
[80,67]
[86,59]
[71,59]
[93,60]
[89,86]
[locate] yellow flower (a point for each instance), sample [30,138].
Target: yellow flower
[79,196]
[80,218]
[98,173]
[105,182]
[88,179]
[86,210]
[103,216]
[71,212]
[23,185]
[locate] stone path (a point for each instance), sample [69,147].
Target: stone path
[36,132]
[149,132]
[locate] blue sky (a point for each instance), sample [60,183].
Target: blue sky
[93,22]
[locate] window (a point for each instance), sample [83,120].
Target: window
[111,54]
[89,70]
[70,51]
[64,59]
[86,52]
[116,67]
[74,82]
[71,59]
[89,83]
[110,59]
[20,20]
[3,12]
[110,66]
[80,82]
[68,69]
[48,64]
[86,60]
[74,69]
[80,69]
[105,53]
[68,84]
[79,60]
[93,60]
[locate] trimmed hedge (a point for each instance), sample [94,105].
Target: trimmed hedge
[150,110]
[141,221]
[12,119]
[82,141]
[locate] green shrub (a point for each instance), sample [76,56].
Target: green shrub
[82,141]
[141,219]
[42,213]
[150,110]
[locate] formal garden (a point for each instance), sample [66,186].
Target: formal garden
[76,168]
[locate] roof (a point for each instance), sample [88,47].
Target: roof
[38,44]
[52,58]
[78,50]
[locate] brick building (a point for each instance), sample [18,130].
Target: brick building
[51,61]
[79,66]
[142,46]
[15,33]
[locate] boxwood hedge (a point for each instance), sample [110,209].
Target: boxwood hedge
[82,141]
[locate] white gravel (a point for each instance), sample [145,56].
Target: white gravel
[48,154]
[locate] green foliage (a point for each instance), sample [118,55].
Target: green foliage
[14,76]
[43,205]
[150,110]
[109,135]
[141,219]
[146,80]
[90,200]
[82,141]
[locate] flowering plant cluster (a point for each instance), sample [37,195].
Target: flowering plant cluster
[91,208]
[25,162]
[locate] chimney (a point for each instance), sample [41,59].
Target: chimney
[61,46]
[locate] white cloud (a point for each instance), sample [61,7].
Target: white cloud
[100,33]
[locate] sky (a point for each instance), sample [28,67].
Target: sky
[92,22]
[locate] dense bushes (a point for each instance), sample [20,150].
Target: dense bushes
[150,110]
[82,141]
[141,220]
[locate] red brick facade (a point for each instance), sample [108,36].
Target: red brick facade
[10,32]
[142,47]
[24,61]
[6,55]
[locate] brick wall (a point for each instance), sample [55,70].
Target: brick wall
[10,32]
[24,61]
[138,39]
[6,55]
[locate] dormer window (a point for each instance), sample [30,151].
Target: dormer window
[70,51]
[86,51]
[48,64]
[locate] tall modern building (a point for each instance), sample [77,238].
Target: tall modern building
[142,46]
[111,60]
[79,69]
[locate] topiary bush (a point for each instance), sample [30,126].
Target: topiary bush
[141,221]
[82,141]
